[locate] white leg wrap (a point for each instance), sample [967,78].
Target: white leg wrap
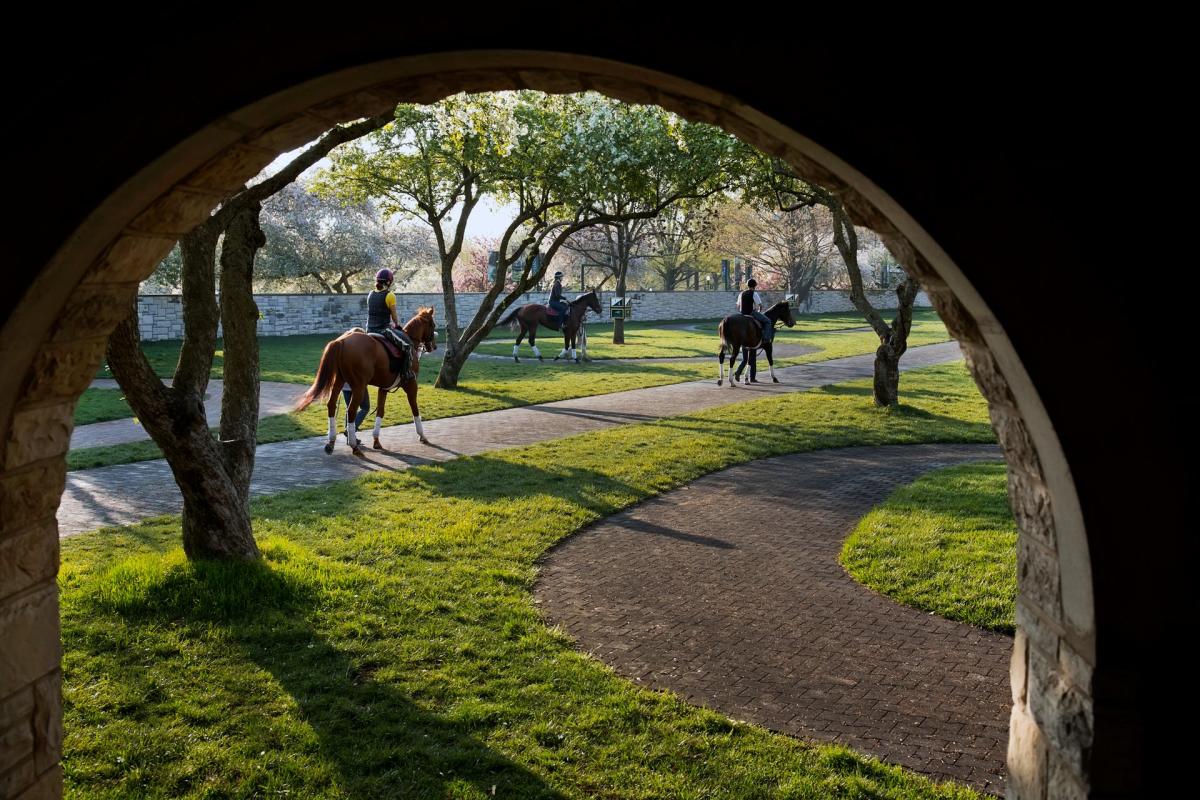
[516,349]
[378,425]
[536,353]
[572,353]
[563,353]
[351,437]
[333,429]
[420,427]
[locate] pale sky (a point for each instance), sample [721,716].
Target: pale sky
[488,219]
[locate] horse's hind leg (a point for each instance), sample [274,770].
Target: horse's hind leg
[517,344]
[533,344]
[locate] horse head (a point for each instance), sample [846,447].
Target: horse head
[592,298]
[422,329]
[782,311]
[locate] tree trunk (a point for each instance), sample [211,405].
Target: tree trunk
[622,268]
[894,345]
[887,377]
[452,364]
[216,522]
[239,320]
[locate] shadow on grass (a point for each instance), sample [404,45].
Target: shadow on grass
[378,740]
[487,479]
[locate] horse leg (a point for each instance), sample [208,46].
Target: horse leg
[582,334]
[331,406]
[721,364]
[770,362]
[533,344]
[574,353]
[412,404]
[520,336]
[380,402]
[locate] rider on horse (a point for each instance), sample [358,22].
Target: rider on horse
[750,303]
[556,302]
[382,319]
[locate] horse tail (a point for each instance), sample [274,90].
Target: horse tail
[511,319]
[326,381]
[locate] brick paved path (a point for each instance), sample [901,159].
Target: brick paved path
[127,493]
[729,593]
[274,398]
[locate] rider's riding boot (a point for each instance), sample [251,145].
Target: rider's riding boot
[406,352]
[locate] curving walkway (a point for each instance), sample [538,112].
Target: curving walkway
[128,493]
[274,398]
[729,592]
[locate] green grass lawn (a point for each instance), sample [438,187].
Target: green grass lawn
[947,544]
[389,645]
[486,384]
[101,405]
[652,340]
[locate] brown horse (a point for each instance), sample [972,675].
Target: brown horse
[530,315]
[357,358]
[741,332]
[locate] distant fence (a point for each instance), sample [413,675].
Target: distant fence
[160,316]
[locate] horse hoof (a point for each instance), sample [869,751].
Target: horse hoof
[357,450]
[720,383]
[541,359]
[775,380]
[424,440]
[577,361]
[516,360]
[328,448]
[378,445]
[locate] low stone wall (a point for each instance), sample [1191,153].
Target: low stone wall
[161,316]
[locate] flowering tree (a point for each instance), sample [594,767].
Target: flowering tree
[565,163]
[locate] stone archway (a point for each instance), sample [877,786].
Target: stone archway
[98,268]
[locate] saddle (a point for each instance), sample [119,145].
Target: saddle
[398,356]
[554,319]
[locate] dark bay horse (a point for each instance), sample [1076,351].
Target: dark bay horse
[359,359]
[741,331]
[530,315]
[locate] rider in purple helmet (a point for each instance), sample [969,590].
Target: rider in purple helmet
[381,318]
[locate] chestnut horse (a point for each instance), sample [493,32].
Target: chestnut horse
[357,358]
[741,332]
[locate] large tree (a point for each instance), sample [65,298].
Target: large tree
[563,163]
[790,250]
[337,246]
[679,236]
[213,473]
